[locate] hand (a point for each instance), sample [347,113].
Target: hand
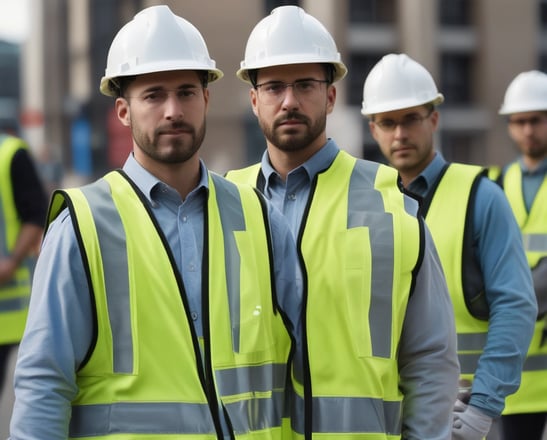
[469,422]
[7,270]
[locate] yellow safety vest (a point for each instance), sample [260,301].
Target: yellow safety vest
[456,189]
[359,273]
[15,294]
[531,395]
[146,375]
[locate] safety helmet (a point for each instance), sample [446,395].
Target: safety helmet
[290,36]
[397,82]
[526,93]
[156,40]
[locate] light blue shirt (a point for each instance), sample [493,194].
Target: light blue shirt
[427,360]
[508,287]
[531,181]
[60,323]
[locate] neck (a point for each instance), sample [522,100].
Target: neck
[284,161]
[532,163]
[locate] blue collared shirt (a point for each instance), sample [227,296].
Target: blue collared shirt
[428,338]
[60,323]
[508,286]
[531,181]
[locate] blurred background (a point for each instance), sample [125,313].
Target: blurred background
[53,54]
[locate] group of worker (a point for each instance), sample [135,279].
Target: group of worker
[311,295]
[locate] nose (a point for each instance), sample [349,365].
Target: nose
[400,131]
[173,107]
[290,101]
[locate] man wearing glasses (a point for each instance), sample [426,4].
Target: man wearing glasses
[525,184]
[475,232]
[378,320]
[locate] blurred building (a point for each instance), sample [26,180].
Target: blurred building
[472,47]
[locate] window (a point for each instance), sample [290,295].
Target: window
[372,11]
[454,12]
[359,66]
[456,80]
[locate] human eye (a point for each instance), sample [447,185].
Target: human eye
[274,88]
[386,124]
[154,96]
[305,85]
[187,93]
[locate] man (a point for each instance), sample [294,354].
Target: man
[23,206]
[525,184]
[159,307]
[474,231]
[378,317]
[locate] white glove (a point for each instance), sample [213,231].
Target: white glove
[469,423]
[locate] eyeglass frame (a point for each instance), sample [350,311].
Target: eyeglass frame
[413,120]
[534,121]
[283,85]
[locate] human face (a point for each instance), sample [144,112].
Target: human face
[166,112]
[296,122]
[529,131]
[407,143]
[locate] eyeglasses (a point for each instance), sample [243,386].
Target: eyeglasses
[273,92]
[522,122]
[413,120]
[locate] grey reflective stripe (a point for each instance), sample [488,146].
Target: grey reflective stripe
[140,418]
[471,341]
[535,363]
[468,362]
[14,304]
[366,208]
[3,231]
[112,243]
[257,378]
[232,219]
[256,413]
[356,415]
[297,413]
[535,242]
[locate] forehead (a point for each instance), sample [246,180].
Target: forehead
[397,114]
[291,72]
[168,80]
[528,115]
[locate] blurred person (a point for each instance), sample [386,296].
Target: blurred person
[378,320]
[525,184]
[165,299]
[478,240]
[23,206]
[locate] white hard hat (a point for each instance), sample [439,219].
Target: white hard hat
[290,36]
[156,40]
[526,93]
[397,82]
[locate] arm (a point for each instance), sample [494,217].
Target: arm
[428,363]
[510,296]
[57,337]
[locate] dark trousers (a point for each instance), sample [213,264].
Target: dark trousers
[5,351]
[523,426]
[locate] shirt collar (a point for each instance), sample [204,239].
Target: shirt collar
[541,169]
[315,164]
[430,173]
[147,182]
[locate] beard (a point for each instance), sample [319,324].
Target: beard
[178,149]
[293,140]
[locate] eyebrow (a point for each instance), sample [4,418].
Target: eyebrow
[159,88]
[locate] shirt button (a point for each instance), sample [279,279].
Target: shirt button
[194,316]
[192,267]
[291,197]
[184,219]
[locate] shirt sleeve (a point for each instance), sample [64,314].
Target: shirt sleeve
[510,296]
[428,362]
[57,337]
[29,195]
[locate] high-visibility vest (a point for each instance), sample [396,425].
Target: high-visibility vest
[457,187]
[146,375]
[359,274]
[530,397]
[15,294]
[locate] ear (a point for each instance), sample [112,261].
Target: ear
[123,111]
[434,119]
[331,98]
[372,128]
[254,98]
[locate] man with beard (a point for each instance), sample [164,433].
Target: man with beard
[166,299]
[525,184]
[475,232]
[378,318]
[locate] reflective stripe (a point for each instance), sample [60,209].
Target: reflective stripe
[3,231]
[112,243]
[356,415]
[232,219]
[468,362]
[140,418]
[256,413]
[535,363]
[366,208]
[535,242]
[471,341]
[14,304]
[251,379]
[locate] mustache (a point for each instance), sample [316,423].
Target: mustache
[291,116]
[177,125]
